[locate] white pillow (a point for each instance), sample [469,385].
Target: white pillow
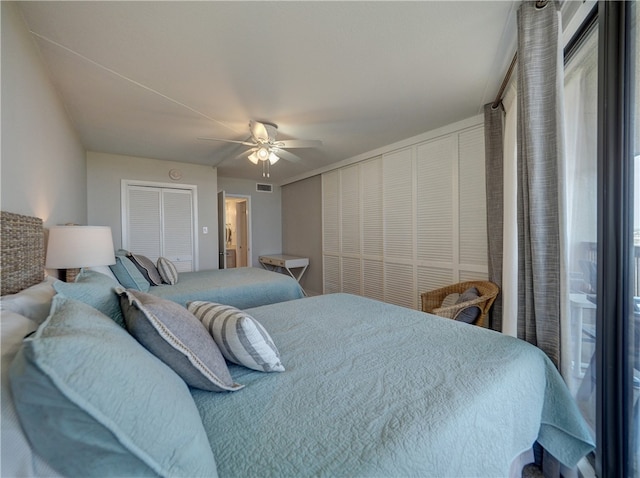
[33,302]
[240,337]
[17,456]
[106,270]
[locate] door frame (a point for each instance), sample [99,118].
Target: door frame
[124,209]
[246,197]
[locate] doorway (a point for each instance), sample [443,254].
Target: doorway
[235,221]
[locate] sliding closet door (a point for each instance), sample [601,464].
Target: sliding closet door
[372,229]
[159,222]
[408,221]
[398,213]
[435,212]
[331,232]
[177,230]
[144,222]
[472,214]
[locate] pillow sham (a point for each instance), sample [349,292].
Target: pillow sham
[128,274]
[147,268]
[470,314]
[103,270]
[93,402]
[94,289]
[33,302]
[241,338]
[176,336]
[16,455]
[167,271]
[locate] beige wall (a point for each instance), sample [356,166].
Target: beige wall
[266,216]
[302,227]
[43,169]
[105,173]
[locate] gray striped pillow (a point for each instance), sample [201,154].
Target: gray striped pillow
[240,337]
[167,271]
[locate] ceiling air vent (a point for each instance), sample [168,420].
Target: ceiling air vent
[264,188]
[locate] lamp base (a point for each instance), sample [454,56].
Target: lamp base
[69,275]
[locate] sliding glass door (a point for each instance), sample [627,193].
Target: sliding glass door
[581,212]
[602,178]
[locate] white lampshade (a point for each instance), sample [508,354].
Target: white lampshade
[72,247]
[273,159]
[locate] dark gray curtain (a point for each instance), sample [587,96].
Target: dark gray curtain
[540,157]
[494,180]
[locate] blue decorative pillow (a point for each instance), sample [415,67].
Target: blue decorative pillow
[176,336]
[470,314]
[93,402]
[128,274]
[95,289]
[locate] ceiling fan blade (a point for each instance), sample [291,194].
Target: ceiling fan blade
[228,141]
[286,155]
[299,143]
[258,131]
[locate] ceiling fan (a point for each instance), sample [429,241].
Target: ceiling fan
[265,148]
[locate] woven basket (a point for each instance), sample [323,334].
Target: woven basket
[432,300]
[22,252]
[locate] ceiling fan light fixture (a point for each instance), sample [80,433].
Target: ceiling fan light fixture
[273,159]
[263,153]
[253,157]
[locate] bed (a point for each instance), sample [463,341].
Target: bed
[242,287]
[366,389]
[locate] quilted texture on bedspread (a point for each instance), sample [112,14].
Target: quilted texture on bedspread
[366,393]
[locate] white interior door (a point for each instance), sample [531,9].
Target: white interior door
[222,230]
[241,228]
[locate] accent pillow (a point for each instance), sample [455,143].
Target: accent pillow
[16,455]
[93,402]
[94,289]
[469,315]
[106,270]
[33,302]
[128,274]
[450,300]
[241,338]
[176,336]
[148,268]
[167,271]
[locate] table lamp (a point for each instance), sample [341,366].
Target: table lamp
[72,247]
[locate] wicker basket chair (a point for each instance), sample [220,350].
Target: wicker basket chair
[432,300]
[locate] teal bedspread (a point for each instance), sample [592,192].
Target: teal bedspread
[243,287]
[376,390]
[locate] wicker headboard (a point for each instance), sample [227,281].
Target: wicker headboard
[21,252]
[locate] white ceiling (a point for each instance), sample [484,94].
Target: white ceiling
[149,78]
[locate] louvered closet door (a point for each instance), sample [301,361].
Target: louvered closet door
[435,219]
[472,207]
[398,213]
[178,228]
[144,224]
[372,232]
[159,223]
[351,273]
[331,232]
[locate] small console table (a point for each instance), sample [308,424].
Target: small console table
[283,261]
